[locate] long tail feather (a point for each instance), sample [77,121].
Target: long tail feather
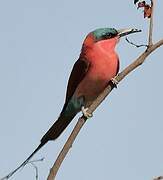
[57,128]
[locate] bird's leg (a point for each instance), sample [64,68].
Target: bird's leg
[114,81]
[86,113]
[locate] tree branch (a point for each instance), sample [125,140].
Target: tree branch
[96,103]
[35,167]
[150,36]
[150,48]
[136,45]
[36,170]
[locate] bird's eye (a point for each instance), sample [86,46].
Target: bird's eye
[107,35]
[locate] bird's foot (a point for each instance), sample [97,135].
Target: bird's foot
[86,113]
[114,81]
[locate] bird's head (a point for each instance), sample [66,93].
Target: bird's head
[111,34]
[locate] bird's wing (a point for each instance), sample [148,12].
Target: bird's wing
[79,71]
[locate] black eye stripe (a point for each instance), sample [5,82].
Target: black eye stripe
[108,35]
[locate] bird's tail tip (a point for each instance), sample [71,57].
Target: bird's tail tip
[23,164]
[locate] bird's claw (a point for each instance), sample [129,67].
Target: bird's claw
[114,81]
[86,113]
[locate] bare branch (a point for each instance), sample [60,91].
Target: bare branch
[36,169]
[136,45]
[37,160]
[30,162]
[95,104]
[150,36]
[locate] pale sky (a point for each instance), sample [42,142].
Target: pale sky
[39,42]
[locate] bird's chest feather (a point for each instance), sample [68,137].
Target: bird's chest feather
[103,67]
[104,64]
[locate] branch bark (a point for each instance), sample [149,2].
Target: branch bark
[150,36]
[151,47]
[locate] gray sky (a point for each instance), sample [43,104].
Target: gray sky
[39,42]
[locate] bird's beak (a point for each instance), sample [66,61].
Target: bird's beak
[124,32]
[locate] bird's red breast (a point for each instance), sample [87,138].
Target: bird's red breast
[104,65]
[103,58]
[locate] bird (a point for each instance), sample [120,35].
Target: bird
[97,65]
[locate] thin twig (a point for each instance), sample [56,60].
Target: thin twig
[136,45]
[150,36]
[30,162]
[36,169]
[37,160]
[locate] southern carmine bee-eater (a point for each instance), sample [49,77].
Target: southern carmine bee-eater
[98,63]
